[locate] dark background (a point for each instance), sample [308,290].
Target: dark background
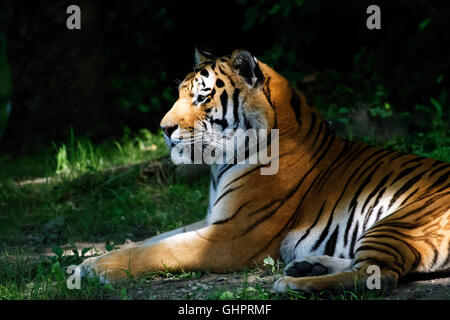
[121,69]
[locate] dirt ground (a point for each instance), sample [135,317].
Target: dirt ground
[210,286]
[257,284]
[220,286]
[431,289]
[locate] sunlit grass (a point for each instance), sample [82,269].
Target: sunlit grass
[79,156]
[78,191]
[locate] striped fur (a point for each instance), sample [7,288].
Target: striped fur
[336,204]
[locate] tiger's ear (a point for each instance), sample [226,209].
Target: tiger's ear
[246,65]
[201,56]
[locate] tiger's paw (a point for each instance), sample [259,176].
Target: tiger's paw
[104,270]
[316,266]
[286,284]
[89,270]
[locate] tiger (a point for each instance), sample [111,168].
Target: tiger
[335,208]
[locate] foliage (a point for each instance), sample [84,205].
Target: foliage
[5,84]
[129,77]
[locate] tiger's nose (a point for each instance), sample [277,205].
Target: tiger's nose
[168,130]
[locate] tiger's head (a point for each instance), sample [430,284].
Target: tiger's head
[222,93]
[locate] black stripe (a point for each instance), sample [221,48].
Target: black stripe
[224,102]
[296,104]
[362,163]
[319,131]
[312,125]
[427,203]
[393,248]
[267,206]
[225,193]
[213,93]
[350,161]
[366,247]
[382,264]
[266,91]
[439,169]
[236,105]
[214,182]
[399,155]
[435,255]
[326,135]
[412,161]
[221,122]
[405,188]
[353,240]
[372,164]
[312,226]
[444,188]
[375,191]
[372,208]
[261,220]
[436,163]
[233,215]
[224,169]
[253,169]
[330,170]
[247,173]
[380,212]
[443,178]
[405,173]
[330,246]
[409,196]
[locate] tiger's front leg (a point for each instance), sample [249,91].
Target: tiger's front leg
[215,248]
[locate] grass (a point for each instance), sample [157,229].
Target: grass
[79,191]
[66,194]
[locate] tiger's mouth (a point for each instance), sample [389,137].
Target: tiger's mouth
[169,141]
[190,146]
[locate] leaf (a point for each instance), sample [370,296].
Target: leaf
[109,287]
[226,295]
[269,261]
[343,120]
[58,251]
[420,107]
[423,24]
[56,267]
[123,294]
[84,251]
[250,17]
[276,7]
[343,110]
[436,105]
